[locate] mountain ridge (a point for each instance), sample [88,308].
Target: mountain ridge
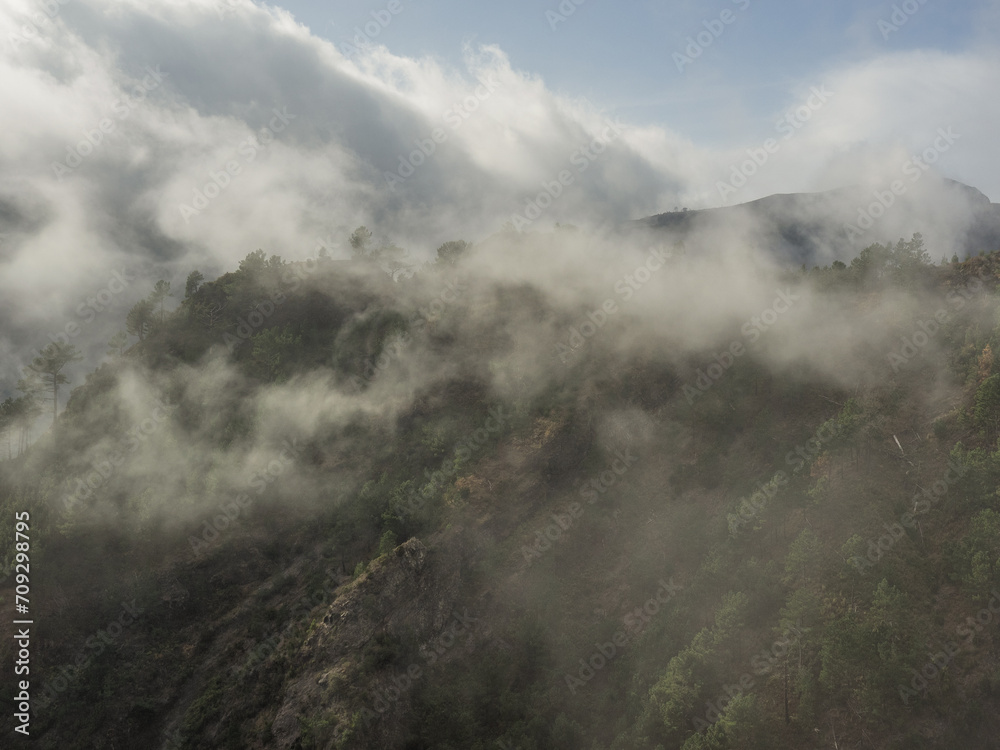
[812,228]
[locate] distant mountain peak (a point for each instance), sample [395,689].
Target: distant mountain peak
[819,227]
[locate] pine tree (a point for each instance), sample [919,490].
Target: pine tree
[159,296]
[139,320]
[48,367]
[193,283]
[117,344]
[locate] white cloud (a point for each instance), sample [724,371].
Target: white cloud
[353,120]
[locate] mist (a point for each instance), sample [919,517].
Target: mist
[390,379]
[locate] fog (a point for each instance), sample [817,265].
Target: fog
[225,132]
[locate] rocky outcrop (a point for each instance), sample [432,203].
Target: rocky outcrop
[406,597]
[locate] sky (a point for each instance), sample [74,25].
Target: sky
[148,139]
[621,54]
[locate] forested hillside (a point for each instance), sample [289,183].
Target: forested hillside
[547,492]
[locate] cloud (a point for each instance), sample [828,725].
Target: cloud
[177,104]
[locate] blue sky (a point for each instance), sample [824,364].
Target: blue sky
[620,55]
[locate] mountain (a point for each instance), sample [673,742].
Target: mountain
[816,228]
[548,492]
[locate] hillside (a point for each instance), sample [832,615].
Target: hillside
[816,228]
[549,492]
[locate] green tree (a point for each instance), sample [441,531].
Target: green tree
[392,258]
[387,543]
[139,321]
[273,350]
[159,296]
[891,620]
[48,367]
[386,254]
[986,412]
[742,725]
[192,284]
[804,611]
[361,242]
[30,385]
[7,423]
[117,344]
[866,657]
[16,417]
[209,314]
[257,264]
[980,552]
[452,252]
[254,263]
[802,558]
[907,259]
[677,694]
[870,265]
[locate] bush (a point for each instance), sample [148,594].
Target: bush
[387,543]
